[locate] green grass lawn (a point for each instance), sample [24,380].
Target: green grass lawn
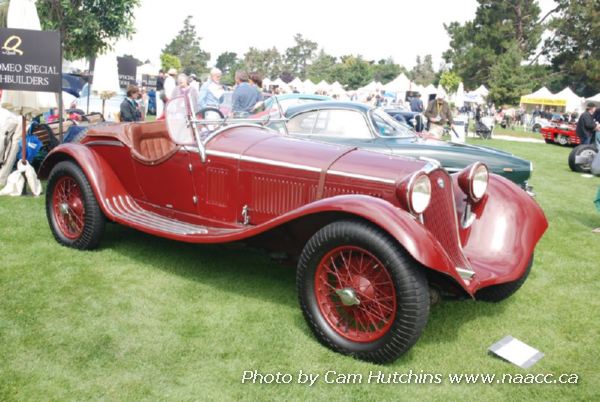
[148,318]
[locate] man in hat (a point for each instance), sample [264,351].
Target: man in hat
[586,125]
[170,83]
[438,113]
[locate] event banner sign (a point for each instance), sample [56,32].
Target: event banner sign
[149,81]
[30,60]
[127,68]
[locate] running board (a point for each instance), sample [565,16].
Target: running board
[126,209]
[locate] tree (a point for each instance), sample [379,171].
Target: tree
[321,67]
[385,70]
[353,72]
[450,81]
[228,63]
[168,61]
[508,78]
[87,26]
[498,25]
[423,73]
[298,56]
[186,46]
[574,45]
[266,62]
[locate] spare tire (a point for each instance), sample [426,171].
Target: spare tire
[585,152]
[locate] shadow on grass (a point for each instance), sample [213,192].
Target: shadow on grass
[249,272]
[231,267]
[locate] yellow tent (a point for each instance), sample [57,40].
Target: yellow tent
[543,97]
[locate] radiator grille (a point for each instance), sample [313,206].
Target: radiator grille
[441,219]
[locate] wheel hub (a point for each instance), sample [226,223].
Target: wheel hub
[63,208]
[348,297]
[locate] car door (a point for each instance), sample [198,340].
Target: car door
[169,184]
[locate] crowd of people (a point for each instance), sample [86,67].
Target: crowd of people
[246,95]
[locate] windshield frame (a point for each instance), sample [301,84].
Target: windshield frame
[405,130]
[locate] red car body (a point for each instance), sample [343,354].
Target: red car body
[256,185]
[562,134]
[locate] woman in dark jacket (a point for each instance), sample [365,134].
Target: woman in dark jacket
[130,110]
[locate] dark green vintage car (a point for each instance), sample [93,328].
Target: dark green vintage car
[360,125]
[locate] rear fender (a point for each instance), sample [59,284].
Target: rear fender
[103,180]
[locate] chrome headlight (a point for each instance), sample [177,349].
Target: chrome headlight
[473,181]
[415,193]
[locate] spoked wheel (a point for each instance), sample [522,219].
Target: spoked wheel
[562,139]
[355,294]
[73,213]
[360,293]
[581,157]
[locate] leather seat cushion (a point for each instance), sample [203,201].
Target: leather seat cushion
[151,143]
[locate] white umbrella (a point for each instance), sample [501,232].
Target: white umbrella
[22,14]
[106,77]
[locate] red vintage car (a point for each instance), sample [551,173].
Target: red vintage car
[374,235]
[560,133]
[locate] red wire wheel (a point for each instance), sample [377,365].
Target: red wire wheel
[360,292]
[73,213]
[355,294]
[68,207]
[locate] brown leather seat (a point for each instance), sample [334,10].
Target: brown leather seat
[150,142]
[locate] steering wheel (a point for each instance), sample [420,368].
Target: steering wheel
[205,113]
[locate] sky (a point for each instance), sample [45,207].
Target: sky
[375,29]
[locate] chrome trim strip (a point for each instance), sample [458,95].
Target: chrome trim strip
[465,274]
[361,176]
[223,154]
[106,142]
[280,163]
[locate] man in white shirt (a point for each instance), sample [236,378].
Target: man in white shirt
[170,83]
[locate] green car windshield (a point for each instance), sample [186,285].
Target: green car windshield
[388,127]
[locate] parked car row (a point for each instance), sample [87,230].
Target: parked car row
[374,234]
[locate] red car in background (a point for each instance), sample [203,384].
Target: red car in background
[559,132]
[374,235]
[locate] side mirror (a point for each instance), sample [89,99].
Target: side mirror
[177,118]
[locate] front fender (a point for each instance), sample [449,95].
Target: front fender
[99,173]
[398,223]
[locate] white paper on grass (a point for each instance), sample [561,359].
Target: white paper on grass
[516,352]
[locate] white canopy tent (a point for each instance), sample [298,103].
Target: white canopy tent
[574,102]
[297,84]
[483,91]
[323,86]
[595,99]
[459,97]
[400,84]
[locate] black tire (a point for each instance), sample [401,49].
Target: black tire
[498,293]
[408,279]
[578,150]
[547,141]
[536,128]
[94,220]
